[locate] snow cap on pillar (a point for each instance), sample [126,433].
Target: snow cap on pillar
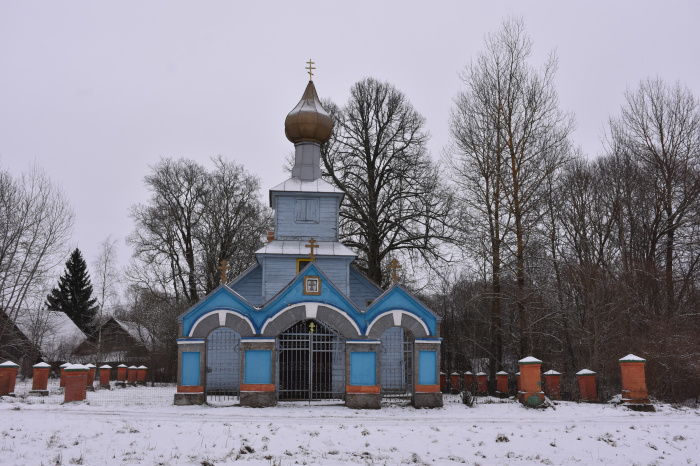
[632,358]
[529,360]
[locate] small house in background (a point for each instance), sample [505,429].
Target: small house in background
[39,335]
[122,342]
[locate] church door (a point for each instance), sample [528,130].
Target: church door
[223,376]
[310,362]
[396,363]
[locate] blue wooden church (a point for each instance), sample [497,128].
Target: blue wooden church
[303,323]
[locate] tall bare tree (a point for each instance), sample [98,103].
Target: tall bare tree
[395,202]
[659,130]
[36,223]
[107,282]
[195,218]
[516,120]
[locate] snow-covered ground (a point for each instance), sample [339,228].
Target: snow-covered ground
[34,433]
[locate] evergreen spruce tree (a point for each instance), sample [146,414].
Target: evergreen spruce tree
[74,294]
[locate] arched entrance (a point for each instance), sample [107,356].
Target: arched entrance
[223,370]
[310,362]
[396,364]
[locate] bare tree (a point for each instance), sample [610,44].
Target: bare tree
[107,281]
[194,219]
[659,129]
[394,200]
[36,223]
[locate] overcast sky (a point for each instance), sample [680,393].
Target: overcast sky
[95,92]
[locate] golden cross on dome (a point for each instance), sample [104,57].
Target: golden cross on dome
[312,326]
[223,267]
[312,245]
[310,68]
[394,267]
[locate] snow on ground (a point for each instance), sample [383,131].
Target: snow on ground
[34,433]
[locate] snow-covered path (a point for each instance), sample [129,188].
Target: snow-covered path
[296,433]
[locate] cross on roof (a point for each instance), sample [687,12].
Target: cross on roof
[312,326]
[310,68]
[312,245]
[223,267]
[394,267]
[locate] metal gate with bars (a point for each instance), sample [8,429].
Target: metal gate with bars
[310,362]
[223,369]
[396,364]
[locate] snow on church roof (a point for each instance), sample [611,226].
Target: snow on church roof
[298,186]
[298,248]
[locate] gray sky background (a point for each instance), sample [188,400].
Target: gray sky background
[95,92]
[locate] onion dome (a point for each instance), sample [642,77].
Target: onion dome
[308,121]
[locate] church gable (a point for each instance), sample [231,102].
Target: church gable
[221,299]
[362,291]
[249,285]
[396,303]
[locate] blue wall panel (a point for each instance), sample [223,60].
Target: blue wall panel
[427,368]
[190,368]
[258,366]
[287,228]
[363,368]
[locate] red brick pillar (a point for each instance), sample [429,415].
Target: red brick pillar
[76,380]
[468,381]
[443,382]
[105,372]
[454,383]
[90,384]
[481,384]
[8,376]
[552,385]
[121,375]
[40,379]
[131,375]
[586,385]
[634,385]
[63,366]
[517,376]
[530,393]
[141,373]
[502,383]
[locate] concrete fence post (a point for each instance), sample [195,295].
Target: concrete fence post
[586,385]
[40,379]
[76,382]
[8,376]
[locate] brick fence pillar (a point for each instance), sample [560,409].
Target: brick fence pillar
[131,375]
[634,385]
[517,378]
[40,379]
[443,382]
[552,385]
[121,375]
[141,373]
[481,383]
[63,366]
[586,385]
[8,376]
[76,381]
[90,383]
[454,383]
[469,381]
[105,372]
[531,393]
[502,383]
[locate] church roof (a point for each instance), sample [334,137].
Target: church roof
[308,121]
[294,185]
[298,248]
